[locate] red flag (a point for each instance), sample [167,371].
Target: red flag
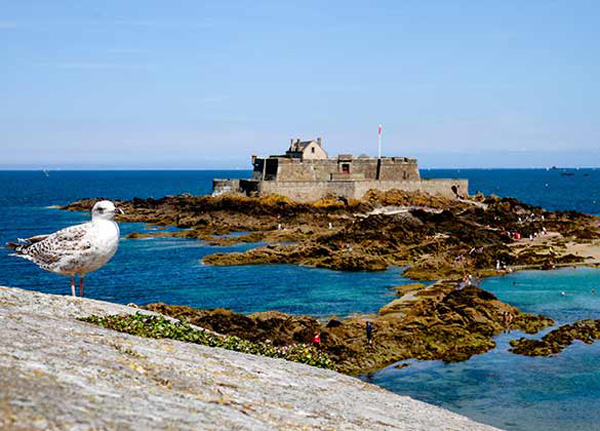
[380,129]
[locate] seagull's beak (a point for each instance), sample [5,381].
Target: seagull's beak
[120,211]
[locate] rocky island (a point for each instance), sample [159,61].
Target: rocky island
[454,241]
[433,236]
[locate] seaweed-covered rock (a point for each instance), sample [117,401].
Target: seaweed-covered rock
[279,328]
[557,340]
[434,322]
[435,237]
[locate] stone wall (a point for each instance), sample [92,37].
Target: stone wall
[313,190]
[225,185]
[307,190]
[293,169]
[395,169]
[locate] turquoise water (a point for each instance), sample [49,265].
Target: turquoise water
[515,392]
[505,390]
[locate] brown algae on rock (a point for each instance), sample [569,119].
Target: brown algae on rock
[558,339]
[435,236]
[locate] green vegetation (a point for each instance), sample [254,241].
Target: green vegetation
[161,327]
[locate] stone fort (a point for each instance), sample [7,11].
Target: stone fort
[306,173]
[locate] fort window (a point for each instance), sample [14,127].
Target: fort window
[312,150]
[345,168]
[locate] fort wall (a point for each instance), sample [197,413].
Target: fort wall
[221,185]
[313,190]
[305,173]
[296,169]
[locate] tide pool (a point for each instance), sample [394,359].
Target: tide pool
[513,392]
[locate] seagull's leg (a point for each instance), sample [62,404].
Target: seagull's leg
[73,286]
[81,278]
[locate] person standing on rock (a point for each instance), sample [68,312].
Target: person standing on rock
[317,339]
[369,330]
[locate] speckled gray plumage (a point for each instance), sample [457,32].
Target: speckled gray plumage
[73,250]
[47,250]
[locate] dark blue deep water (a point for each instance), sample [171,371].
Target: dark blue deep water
[499,388]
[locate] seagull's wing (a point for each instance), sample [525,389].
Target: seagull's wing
[33,239]
[49,250]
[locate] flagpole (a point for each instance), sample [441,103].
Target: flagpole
[379,137]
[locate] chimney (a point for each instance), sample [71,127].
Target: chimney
[253,159]
[291,143]
[319,142]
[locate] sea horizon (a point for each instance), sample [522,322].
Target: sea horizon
[100,169]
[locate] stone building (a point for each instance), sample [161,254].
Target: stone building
[306,150]
[305,173]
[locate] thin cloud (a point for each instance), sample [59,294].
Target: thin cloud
[8,24]
[126,50]
[99,66]
[164,24]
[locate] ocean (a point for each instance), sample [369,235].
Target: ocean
[506,390]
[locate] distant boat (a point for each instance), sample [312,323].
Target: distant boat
[45,172]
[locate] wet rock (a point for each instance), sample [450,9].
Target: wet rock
[403,289]
[279,328]
[434,236]
[558,339]
[438,322]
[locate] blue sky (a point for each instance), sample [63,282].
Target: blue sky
[195,84]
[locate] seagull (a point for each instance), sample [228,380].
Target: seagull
[76,249]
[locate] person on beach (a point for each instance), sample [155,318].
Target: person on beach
[507,319]
[317,339]
[369,330]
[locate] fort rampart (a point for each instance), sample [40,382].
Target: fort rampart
[313,190]
[306,173]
